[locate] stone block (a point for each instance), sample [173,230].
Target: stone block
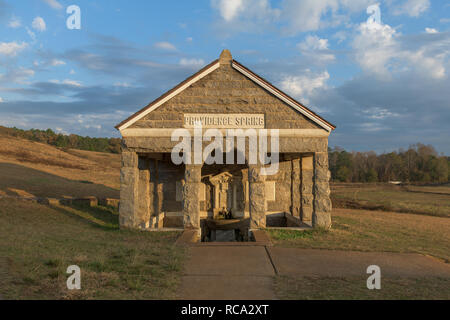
[87,201]
[322,204]
[322,189]
[129,159]
[307,213]
[322,220]
[307,163]
[109,202]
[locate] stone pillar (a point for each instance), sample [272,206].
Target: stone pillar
[191,196]
[307,189]
[129,180]
[143,199]
[322,201]
[295,188]
[158,189]
[257,203]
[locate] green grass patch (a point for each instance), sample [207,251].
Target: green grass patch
[40,242]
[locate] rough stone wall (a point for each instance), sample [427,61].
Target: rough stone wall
[258,205]
[283,187]
[322,202]
[307,177]
[191,196]
[143,199]
[295,188]
[225,90]
[129,177]
[169,174]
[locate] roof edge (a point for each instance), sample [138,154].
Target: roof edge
[286,96]
[166,94]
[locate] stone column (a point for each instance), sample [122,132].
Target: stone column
[295,188]
[257,204]
[143,199]
[307,189]
[191,196]
[129,180]
[322,201]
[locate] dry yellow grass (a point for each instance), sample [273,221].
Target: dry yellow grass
[377,231]
[30,168]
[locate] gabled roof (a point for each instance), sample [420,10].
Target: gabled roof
[226,56]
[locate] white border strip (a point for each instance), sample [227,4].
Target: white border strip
[268,88]
[170,96]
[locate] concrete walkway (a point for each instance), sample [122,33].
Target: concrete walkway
[228,273]
[236,273]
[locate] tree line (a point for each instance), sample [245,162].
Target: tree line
[420,163]
[60,140]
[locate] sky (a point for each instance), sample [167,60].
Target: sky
[379,71]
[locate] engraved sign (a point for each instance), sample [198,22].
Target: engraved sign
[224,120]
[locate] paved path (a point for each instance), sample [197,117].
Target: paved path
[228,273]
[236,273]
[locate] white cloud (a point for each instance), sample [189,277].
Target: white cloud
[39,24]
[379,113]
[54,4]
[304,85]
[412,8]
[31,34]
[431,30]
[1,100]
[316,49]
[189,39]
[229,9]
[61,130]
[67,82]
[20,75]
[294,15]
[248,15]
[11,49]
[375,46]
[372,127]
[14,23]
[380,49]
[165,46]
[192,62]
[56,62]
[72,71]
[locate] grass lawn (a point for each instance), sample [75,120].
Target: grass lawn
[429,200]
[376,231]
[364,230]
[353,288]
[38,243]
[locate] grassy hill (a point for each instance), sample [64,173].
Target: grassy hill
[29,168]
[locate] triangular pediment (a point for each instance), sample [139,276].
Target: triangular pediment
[226,87]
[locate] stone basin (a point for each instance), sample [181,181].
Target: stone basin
[224,224]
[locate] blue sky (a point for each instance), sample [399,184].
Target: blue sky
[384,83]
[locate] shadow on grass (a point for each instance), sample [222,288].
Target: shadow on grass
[106,218]
[43,184]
